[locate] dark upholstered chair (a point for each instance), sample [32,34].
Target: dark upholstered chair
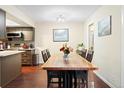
[83,75]
[89,56]
[48,53]
[83,52]
[44,56]
[50,73]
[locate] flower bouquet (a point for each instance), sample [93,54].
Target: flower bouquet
[66,50]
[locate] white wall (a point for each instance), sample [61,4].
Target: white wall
[44,35]
[107,49]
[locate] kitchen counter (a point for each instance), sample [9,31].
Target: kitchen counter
[9,52]
[22,49]
[10,66]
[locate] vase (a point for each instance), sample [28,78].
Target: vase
[65,57]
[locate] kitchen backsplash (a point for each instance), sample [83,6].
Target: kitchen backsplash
[15,45]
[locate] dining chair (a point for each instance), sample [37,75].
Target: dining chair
[52,74]
[83,52]
[44,56]
[78,52]
[89,55]
[82,76]
[48,53]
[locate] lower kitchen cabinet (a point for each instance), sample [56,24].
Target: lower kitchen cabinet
[27,57]
[10,68]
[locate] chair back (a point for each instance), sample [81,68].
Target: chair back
[89,56]
[48,53]
[83,52]
[44,56]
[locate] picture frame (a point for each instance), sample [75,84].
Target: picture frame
[104,26]
[61,35]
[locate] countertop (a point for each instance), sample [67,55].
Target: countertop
[22,49]
[9,52]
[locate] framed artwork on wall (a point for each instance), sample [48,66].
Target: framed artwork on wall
[60,35]
[104,26]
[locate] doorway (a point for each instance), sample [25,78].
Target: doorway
[91,36]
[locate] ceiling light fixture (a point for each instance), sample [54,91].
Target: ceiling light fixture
[60,18]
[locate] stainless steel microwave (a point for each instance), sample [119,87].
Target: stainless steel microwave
[14,34]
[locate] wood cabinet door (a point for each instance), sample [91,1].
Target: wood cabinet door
[28,35]
[27,57]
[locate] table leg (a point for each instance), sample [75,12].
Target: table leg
[90,79]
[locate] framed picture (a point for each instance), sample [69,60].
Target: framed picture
[104,26]
[60,35]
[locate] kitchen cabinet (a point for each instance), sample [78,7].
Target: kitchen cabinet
[27,57]
[2,25]
[27,33]
[10,68]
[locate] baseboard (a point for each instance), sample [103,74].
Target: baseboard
[104,80]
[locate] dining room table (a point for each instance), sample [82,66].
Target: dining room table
[74,62]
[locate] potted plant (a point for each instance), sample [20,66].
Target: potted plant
[80,46]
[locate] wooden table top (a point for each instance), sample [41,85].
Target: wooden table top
[75,62]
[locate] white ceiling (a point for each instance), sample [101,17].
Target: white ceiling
[41,13]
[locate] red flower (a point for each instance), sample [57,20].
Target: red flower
[62,49]
[66,49]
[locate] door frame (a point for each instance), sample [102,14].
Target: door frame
[92,24]
[122,46]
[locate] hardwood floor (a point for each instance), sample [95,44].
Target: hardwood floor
[35,77]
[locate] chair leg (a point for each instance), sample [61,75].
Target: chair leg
[83,82]
[78,83]
[87,81]
[86,84]
[75,82]
[60,82]
[48,82]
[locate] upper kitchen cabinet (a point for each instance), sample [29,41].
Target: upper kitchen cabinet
[20,33]
[2,25]
[28,33]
